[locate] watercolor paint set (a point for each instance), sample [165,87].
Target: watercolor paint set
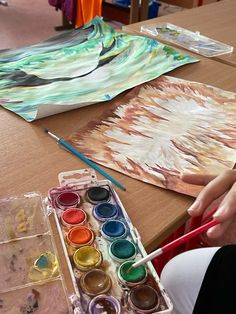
[99,243]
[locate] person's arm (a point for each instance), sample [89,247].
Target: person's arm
[215,187]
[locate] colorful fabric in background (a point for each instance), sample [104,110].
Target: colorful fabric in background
[80,67]
[163,128]
[78,12]
[87,10]
[68,8]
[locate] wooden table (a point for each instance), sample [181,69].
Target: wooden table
[189,3]
[30,160]
[216,20]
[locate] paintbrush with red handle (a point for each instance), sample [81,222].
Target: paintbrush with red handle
[175,243]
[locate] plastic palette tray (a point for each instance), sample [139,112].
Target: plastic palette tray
[192,41]
[29,272]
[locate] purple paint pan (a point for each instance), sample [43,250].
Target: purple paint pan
[104,304]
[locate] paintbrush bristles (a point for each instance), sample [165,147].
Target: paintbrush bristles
[52,135]
[130,268]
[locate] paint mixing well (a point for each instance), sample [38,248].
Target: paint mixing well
[29,272]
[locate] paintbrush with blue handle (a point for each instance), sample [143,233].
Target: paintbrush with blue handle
[86,160]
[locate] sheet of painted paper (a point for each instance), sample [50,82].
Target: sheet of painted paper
[78,68]
[162,128]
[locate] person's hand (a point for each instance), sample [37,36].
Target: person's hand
[215,187]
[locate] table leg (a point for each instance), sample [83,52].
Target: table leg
[144,10]
[134,11]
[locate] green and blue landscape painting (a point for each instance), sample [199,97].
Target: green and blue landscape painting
[80,67]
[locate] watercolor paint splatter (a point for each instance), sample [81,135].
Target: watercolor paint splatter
[163,128]
[43,79]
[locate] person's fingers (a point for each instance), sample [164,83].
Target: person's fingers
[212,191]
[227,208]
[218,230]
[198,179]
[224,214]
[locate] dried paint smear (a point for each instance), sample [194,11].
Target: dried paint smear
[162,128]
[29,270]
[40,299]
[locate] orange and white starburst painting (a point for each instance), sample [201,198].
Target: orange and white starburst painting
[162,128]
